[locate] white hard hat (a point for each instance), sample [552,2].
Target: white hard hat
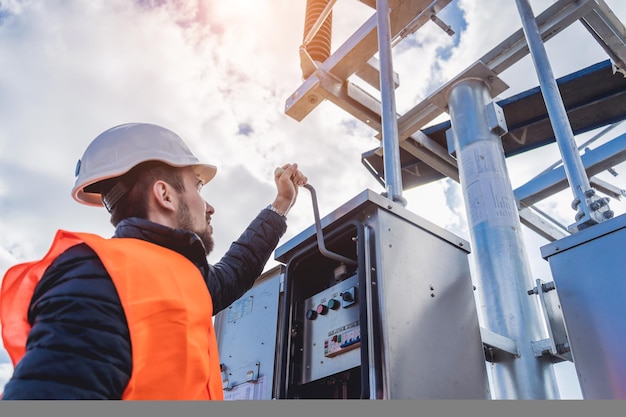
[117,150]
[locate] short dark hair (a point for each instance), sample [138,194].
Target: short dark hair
[139,181]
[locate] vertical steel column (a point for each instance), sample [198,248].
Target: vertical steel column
[591,208]
[389,119]
[497,247]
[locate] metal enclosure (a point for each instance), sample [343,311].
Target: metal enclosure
[399,323]
[246,335]
[587,270]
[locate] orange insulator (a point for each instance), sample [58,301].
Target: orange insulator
[318,47]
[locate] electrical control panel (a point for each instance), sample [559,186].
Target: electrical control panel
[397,320]
[332,331]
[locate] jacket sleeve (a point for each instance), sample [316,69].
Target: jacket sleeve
[79,344]
[244,261]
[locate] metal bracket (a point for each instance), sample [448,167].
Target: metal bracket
[450,140]
[495,119]
[478,70]
[238,376]
[442,25]
[494,344]
[253,374]
[557,344]
[227,385]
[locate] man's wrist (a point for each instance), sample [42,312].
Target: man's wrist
[275,210]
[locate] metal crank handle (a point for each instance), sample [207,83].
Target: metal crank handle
[318,226]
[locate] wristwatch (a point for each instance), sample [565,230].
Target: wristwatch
[275,210]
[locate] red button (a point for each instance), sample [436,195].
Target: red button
[322,309]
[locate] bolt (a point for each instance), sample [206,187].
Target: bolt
[563,347]
[601,203]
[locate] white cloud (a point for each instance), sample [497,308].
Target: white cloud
[6,371]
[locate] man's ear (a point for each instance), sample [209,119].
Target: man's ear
[164,195]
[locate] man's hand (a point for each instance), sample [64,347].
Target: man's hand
[287,178]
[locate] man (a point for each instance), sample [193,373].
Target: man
[130,317]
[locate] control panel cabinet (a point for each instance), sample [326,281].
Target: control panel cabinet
[398,322]
[383,309]
[587,269]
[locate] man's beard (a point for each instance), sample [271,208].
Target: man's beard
[184,222]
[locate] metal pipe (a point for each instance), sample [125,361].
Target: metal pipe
[389,118]
[503,274]
[584,195]
[320,235]
[583,146]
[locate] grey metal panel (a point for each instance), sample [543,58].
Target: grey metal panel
[246,336]
[430,337]
[432,346]
[588,269]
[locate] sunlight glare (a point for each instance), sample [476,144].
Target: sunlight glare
[244,5]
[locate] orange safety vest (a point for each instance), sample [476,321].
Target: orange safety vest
[168,309]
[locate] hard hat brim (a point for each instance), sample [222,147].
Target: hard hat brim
[204,172]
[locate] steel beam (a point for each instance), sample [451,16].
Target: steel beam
[541,224]
[355,52]
[594,161]
[608,31]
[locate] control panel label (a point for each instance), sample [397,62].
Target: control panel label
[342,339]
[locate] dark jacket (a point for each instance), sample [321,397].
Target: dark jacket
[79,344]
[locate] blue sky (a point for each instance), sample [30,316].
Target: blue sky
[218,73]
